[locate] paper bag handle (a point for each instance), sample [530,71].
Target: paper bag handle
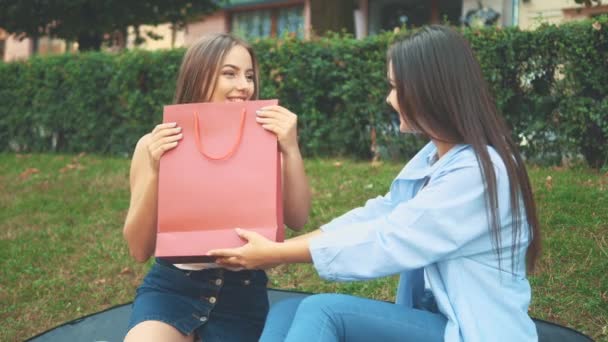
[199,144]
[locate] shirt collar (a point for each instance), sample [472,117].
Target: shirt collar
[424,162]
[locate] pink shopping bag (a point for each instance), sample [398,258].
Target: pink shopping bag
[225,173]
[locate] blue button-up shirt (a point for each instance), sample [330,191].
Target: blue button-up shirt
[434,219]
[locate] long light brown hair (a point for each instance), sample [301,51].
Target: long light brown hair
[442,94]
[201,64]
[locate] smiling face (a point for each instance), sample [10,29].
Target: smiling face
[235,81]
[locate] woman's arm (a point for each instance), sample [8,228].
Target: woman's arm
[296,190]
[139,229]
[444,220]
[296,249]
[140,225]
[306,236]
[261,253]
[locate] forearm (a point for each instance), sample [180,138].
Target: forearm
[293,251]
[140,225]
[261,253]
[296,190]
[306,236]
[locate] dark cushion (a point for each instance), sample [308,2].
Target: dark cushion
[111,325]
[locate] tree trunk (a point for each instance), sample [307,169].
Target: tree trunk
[89,41]
[35,45]
[335,16]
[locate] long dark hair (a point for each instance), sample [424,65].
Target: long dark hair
[200,67]
[442,94]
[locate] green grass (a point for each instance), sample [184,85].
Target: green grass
[62,254]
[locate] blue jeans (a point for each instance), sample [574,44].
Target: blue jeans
[336,317]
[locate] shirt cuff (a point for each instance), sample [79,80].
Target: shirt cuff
[326,227]
[322,257]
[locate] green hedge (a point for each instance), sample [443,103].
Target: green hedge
[550,83]
[552,86]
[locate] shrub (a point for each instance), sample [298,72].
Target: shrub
[550,84]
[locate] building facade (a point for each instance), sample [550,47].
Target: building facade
[276,18]
[534,12]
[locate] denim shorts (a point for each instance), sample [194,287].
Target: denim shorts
[215,304]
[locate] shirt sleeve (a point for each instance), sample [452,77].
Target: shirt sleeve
[436,224]
[372,208]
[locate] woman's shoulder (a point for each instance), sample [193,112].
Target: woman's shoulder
[465,159]
[465,154]
[140,154]
[143,141]
[460,156]
[142,144]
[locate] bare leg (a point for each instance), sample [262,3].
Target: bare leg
[156,331]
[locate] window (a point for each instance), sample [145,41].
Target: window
[252,24]
[410,15]
[290,20]
[385,15]
[274,22]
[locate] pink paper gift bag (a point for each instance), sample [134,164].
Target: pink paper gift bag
[225,173]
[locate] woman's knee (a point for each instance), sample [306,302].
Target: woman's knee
[156,331]
[285,307]
[323,304]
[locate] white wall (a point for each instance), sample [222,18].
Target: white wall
[16,49]
[163,30]
[215,23]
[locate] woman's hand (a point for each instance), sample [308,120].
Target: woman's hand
[163,138]
[258,253]
[283,123]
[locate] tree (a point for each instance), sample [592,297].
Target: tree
[87,21]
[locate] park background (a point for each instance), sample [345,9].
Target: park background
[69,121]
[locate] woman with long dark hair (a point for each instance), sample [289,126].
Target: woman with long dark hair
[459,220]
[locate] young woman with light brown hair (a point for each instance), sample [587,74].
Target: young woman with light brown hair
[186,302]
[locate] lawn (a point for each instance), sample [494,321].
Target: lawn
[62,255]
